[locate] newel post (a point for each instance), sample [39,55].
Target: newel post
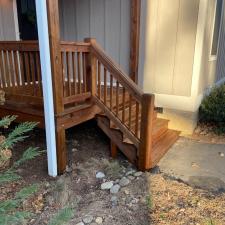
[91,67]
[145,148]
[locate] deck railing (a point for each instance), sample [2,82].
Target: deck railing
[122,101]
[20,74]
[74,57]
[88,73]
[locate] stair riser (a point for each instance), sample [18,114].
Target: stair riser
[156,136]
[116,137]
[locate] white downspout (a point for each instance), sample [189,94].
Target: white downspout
[42,22]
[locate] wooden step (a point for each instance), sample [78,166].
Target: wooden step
[160,126]
[116,136]
[162,145]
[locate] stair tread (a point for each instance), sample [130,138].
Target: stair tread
[163,144]
[159,127]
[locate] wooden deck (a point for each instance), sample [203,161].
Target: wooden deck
[92,85]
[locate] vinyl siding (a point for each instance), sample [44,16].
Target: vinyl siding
[212,69]
[7,23]
[170,46]
[220,72]
[106,20]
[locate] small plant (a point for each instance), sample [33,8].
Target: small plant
[210,222]
[9,213]
[112,168]
[149,201]
[9,209]
[7,143]
[212,109]
[62,217]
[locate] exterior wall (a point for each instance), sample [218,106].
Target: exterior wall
[106,20]
[170,44]
[220,72]
[8,23]
[212,69]
[142,42]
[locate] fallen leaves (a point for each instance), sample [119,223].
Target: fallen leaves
[177,204]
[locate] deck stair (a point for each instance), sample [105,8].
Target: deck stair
[90,85]
[162,139]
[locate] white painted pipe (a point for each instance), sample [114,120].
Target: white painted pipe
[42,22]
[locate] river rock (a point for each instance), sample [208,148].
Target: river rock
[107,185]
[115,189]
[124,182]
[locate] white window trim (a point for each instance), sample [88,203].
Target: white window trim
[214,57]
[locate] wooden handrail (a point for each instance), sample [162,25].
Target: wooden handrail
[75,46]
[115,69]
[116,81]
[25,46]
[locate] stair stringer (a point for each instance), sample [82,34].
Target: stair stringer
[116,136]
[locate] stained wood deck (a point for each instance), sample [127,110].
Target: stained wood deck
[89,85]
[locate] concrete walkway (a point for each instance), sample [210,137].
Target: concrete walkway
[200,165]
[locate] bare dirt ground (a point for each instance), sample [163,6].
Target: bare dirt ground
[144,199]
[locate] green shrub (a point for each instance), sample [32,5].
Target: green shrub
[212,109]
[10,212]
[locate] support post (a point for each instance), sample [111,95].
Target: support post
[145,149]
[135,38]
[42,22]
[114,150]
[56,65]
[91,68]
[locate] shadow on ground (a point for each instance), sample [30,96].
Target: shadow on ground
[88,153]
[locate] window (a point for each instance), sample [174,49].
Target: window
[216,27]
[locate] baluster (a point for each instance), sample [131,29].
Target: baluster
[2,70]
[84,72]
[32,69]
[99,80]
[11,70]
[117,98]
[111,91]
[11,73]
[7,80]
[137,119]
[123,110]
[17,79]
[130,111]
[37,58]
[74,72]
[79,72]
[105,86]
[27,68]
[22,70]
[64,73]
[68,74]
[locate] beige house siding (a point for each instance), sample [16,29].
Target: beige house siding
[7,21]
[220,72]
[212,69]
[106,20]
[170,44]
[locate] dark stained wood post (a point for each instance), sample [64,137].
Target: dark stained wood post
[91,68]
[145,149]
[54,43]
[114,150]
[134,38]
